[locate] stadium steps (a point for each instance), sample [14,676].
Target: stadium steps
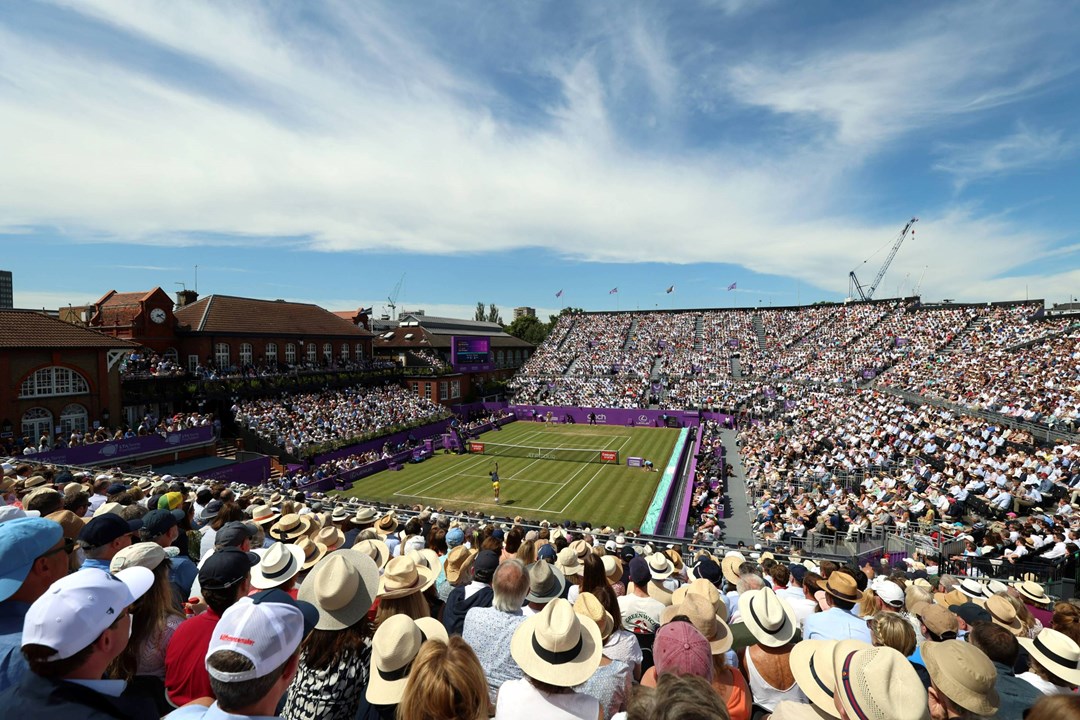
[226,449]
[699,333]
[736,368]
[566,335]
[759,330]
[737,524]
[975,325]
[630,333]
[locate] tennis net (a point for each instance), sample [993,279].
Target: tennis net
[586,455]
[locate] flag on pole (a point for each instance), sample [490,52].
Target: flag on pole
[366,311]
[558,294]
[613,291]
[670,290]
[732,286]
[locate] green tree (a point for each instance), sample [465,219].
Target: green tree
[493,314]
[529,328]
[480,315]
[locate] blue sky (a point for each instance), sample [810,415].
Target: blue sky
[502,152]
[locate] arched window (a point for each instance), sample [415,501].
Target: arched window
[311,353]
[345,351]
[359,351]
[271,353]
[172,355]
[74,418]
[52,381]
[328,352]
[245,353]
[221,355]
[37,422]
[290,353]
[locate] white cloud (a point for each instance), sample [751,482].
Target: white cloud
[51,300]
[364,139]
[1026,150]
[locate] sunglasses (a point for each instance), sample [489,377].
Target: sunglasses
[68,547]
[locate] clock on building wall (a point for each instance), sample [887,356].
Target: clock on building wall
[157,315]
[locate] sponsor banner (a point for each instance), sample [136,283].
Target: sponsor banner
[476,447]
[609,456]
[249,472]
[635,462]
[118,450]
[431,430]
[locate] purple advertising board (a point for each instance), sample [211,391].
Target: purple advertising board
[249,472]
[470,354]
[118,451]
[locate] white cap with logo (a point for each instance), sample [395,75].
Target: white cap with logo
[77,608]
[266,628]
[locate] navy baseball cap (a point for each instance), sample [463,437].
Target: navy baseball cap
[103,529]
[485,564]
[116,489]
[225,568]
[797,571]
[708,569]
[159,522]
[639,571]
[546,552]
[233,534]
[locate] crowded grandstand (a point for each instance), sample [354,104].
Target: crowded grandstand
[876,517]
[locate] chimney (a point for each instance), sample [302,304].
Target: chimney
[186,297]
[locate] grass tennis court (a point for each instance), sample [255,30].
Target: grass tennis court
[600,493]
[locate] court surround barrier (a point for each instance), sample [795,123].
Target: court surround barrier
[121,451]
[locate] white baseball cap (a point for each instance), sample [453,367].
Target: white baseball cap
[889,592]
[77,608]
[266,628]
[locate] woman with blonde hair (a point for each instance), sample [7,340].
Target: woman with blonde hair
[446,682]
[891,630]
[526,552]
[401,590]
[1032,626]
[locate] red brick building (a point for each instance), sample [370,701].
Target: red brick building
[56,375]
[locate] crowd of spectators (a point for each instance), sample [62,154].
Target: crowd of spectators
[296,421]
[205,601]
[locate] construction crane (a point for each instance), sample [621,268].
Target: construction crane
[391,300]
[854,286]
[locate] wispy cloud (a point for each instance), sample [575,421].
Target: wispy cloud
[367,136]
[1024,151]
[149,268]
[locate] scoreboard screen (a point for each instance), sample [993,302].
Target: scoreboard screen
[474,352]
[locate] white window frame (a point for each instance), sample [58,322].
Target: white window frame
[54,381]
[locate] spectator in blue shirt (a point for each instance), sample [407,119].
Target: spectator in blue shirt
[837,623]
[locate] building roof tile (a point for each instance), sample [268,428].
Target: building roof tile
[32,329]
[226,314]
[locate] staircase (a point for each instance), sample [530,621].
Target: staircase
[630,333]
[570,368]
[736,368]
[226,449]
[759,330]
[699,333]
[975,325]
[566,335]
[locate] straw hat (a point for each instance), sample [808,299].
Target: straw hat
[768,617]
[1004,614]
[377,550]
[290,527]
[278,564]
[341,514]
[613,568]
[546,582]
[72,523]
[557,646]
[588,606]
[567,561]
[426,557]
[342,588]
[313,552]
[404,577]
[660,566]
[145,554]
[700,612]
[458,562]
[262,514]
[964,674]
[812,667]
[1032,591]
[387,524]
[730,566]
[842,587]
[364,516]
[331,537]
[1056,652]
[581,548]
[705,589]
[879,683]
[953,597]
[393,649]
[675,558]
[972,588]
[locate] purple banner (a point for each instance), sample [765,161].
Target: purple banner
[249,472]
[424,431]
[635,462]
[121,450]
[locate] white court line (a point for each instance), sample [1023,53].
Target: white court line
[455,467]
[568,481]
[582,489]
[517,479]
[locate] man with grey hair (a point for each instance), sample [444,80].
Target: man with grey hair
[747,582]
[489,629]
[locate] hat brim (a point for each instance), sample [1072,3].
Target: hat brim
[320,552]
[774,639]
[259,581]
[979,703]
[729,567]
[719,644]
[382,550]
[567,674]
[381,691]
[1066,673]
[425,578]
[811,666]
[265,520]
[557,574]
[358,606]
[658,592]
